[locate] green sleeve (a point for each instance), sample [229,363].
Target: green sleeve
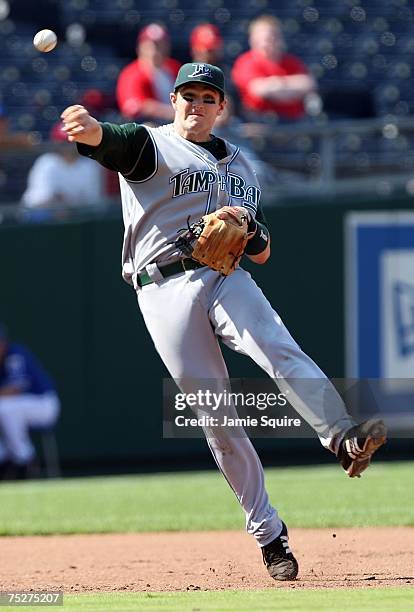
[127,148]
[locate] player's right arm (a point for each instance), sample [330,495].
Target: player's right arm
[80,126]
[127,148]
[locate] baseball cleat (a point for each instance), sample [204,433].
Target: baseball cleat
[359,444]
[278,558]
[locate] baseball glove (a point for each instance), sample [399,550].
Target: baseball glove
[217,240]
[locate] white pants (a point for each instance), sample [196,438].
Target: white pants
[185,315]
[18,413]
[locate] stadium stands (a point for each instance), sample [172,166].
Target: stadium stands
[361,52]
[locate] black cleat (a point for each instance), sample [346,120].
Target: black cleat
[359,444]
[278,558]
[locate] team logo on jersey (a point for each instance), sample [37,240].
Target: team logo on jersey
[201,180]
[200,70]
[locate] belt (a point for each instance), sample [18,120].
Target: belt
[169,269]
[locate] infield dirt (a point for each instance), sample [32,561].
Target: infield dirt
[362,557]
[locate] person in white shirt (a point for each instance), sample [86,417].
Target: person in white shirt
[61,180]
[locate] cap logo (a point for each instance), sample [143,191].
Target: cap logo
[200,70]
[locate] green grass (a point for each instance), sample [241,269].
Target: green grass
[306,497]
[330,600]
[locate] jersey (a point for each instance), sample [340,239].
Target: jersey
[166,180]
[20,368]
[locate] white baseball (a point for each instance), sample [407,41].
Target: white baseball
[45,41]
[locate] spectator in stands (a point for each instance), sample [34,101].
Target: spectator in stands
[61,180]
[98,102]
[27,399]
[144,85]
[206,44]
[270,81]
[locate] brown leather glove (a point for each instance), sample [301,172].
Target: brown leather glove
[218,239]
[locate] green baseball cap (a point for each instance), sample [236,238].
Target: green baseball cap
[200,73]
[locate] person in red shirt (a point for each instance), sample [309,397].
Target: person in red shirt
[206,44]
[269,80]
[144,86]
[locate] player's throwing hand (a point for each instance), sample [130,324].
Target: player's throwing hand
[80,126]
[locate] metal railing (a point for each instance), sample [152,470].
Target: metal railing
[378,161]
[305,160]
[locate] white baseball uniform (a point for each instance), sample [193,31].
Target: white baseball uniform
[165,178]
[33,404]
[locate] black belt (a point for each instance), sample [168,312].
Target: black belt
[169,269]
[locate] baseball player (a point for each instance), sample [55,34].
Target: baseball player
[27,399]
[168,174]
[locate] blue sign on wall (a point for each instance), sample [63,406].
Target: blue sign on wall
[379,276]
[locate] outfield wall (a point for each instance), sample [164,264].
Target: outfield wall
[63,296]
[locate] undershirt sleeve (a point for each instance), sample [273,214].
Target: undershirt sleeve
[127,148]
[260,217]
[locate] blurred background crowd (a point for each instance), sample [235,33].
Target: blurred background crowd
[321,91]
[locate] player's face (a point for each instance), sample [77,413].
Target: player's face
[196,109]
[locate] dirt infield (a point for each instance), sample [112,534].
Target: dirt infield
[204,561]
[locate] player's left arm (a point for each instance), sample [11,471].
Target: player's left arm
[258,246]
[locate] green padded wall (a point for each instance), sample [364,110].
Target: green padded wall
[62,294]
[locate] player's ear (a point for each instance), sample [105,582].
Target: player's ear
[173,98]
[222,106]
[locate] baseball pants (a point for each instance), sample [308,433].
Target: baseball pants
[185,315]
[18,413]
